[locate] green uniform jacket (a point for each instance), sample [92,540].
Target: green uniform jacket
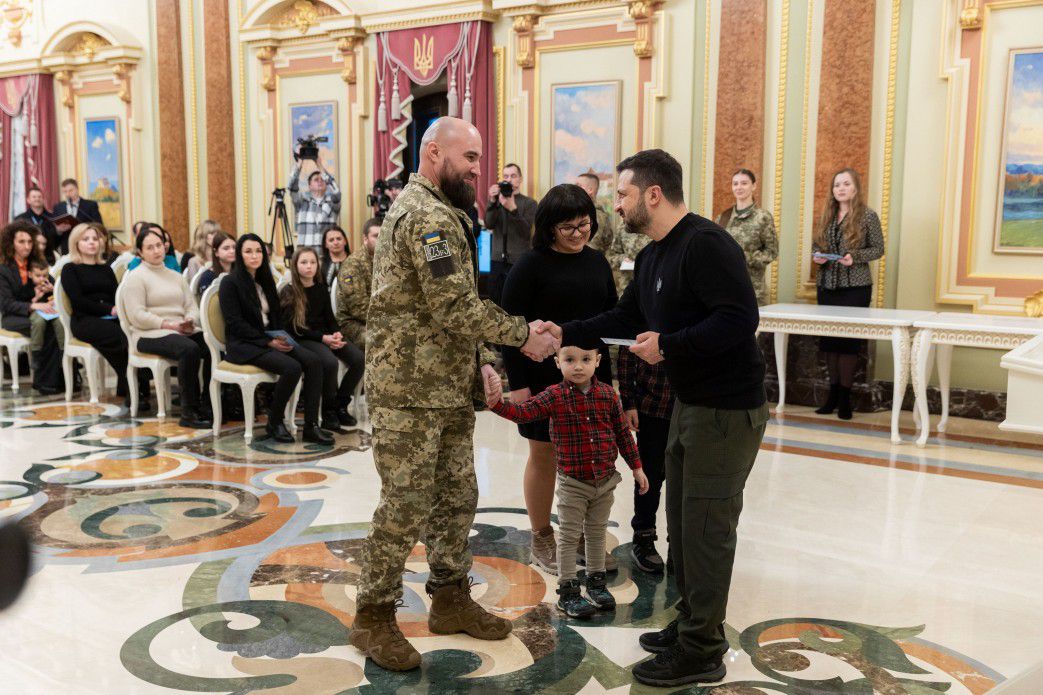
[353,287]
[755,232]
[625,246]
[606,235]
[426,322]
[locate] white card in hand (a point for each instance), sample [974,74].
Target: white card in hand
[626,265]
[625,342]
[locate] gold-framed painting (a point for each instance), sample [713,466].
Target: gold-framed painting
[103,167]
[1019,205]
[586,118]
[317,119]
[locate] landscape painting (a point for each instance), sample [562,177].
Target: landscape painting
[318,119]
[102,161]
[1020,210]
[586,130]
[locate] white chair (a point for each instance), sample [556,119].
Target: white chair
[356,397]
[159,366]
[93,362]
[14,342]
[193,285]
[119,265]
[56,269]
[246,376]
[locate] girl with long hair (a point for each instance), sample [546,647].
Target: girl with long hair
[198,257]
[222,253]
[847,237]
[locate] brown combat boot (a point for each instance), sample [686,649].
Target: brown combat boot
[453,610]
[376,634]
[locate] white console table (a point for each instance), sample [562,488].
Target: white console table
[949,329]
[894,325]
[1024,387]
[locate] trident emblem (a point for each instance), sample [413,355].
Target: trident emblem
[424,54]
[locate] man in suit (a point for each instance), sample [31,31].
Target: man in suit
[82,209]
[38,214]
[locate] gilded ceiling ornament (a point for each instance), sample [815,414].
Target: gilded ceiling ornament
[303,14]
[88,45]
[15,14]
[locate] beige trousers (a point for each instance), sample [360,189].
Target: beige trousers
[583,508]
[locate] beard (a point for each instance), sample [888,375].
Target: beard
[456,188]
[637,220]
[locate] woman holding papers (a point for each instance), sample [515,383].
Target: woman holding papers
[254,335]
[560,279]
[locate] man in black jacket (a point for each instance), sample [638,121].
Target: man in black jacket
[38,214]
[692,307]
[510,218]
[83,209]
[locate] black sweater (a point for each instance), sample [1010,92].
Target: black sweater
[318,316]
[692,288]
[551,286]
[91,288]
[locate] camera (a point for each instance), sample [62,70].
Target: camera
[506,189]
[308,147]
[379,198]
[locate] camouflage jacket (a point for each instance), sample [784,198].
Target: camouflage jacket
[353,287]
[755,232]
[426,321]
[606,234]
[625,246]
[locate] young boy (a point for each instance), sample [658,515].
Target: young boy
[588,430]
[38,273]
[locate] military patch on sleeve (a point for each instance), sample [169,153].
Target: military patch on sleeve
[439,257]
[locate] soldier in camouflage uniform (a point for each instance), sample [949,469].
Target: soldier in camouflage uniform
[603,240]
[754,229]
[625,247]
[424,366]
[353,286]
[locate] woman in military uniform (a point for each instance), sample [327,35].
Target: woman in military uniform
[753,228]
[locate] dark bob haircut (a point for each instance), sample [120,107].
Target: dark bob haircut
[564,202]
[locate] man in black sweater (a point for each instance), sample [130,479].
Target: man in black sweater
[691,305]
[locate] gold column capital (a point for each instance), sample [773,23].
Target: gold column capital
[523,26]
[266,56]
[643,14]
[64,78]
[347,45]
[971,16]
[122,71]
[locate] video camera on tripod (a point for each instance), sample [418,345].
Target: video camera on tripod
[379,199]
[308,147]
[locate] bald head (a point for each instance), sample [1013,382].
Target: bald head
[450,157]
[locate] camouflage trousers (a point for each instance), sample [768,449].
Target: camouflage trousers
[425,459]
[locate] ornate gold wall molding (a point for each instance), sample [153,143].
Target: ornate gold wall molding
[63,78]
[525,53]
[266,57]
[122,71]
[14,15]
[643,14]
[780,135]
[346,46]
[971,16]
[889,137]
[500,75]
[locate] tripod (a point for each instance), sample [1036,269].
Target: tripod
[280,219]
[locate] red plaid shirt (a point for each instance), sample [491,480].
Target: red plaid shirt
[643,387]
[588,429]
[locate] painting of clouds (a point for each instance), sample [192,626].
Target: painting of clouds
[1020,211]
[586,130]
[103,169]
[320,120]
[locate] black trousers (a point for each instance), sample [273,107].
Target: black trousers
[47,361]
[290,367]
[497,277]
[336,395]
[105,336]
[652,434]
[190,351]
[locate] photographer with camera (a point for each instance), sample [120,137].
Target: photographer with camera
[510,216]
[319,207]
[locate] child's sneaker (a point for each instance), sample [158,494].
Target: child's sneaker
[644,553]
[571,603]
[598,594]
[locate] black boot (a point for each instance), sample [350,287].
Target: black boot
[275,429]
[657,642]
[331,423]
[673,667]
[190,417]
[644,554]
[315,435]
[831,402]
[346,419]
[844,403]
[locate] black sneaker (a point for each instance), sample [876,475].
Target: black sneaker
[644,554]
[657,642]
[571,603]
[346,418]
[673,668]
[598,593]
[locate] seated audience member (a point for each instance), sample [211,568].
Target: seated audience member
[169,254]
[353,285]
[198,257]
[90,286]
[82,209]
[222,251]
[108,255]
[561,279]
[43,291]
[334,252]
[38,214]
[308,317]
[20,299]
[163,320]
[250,306]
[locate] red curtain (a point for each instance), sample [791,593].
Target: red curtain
[31,96]
[420,56]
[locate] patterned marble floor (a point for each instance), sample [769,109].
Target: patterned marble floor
[168,561]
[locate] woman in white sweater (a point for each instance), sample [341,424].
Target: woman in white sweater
[163,320]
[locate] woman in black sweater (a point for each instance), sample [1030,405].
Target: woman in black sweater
[560,279]
[250,306]
[90,286]
[308,316]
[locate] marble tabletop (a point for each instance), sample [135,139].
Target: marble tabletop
[844,314]
[990,323]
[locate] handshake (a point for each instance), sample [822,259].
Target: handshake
[544,340]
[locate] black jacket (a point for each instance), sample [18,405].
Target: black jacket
[15,297]
[245,337]
[49,232]
[86,211]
